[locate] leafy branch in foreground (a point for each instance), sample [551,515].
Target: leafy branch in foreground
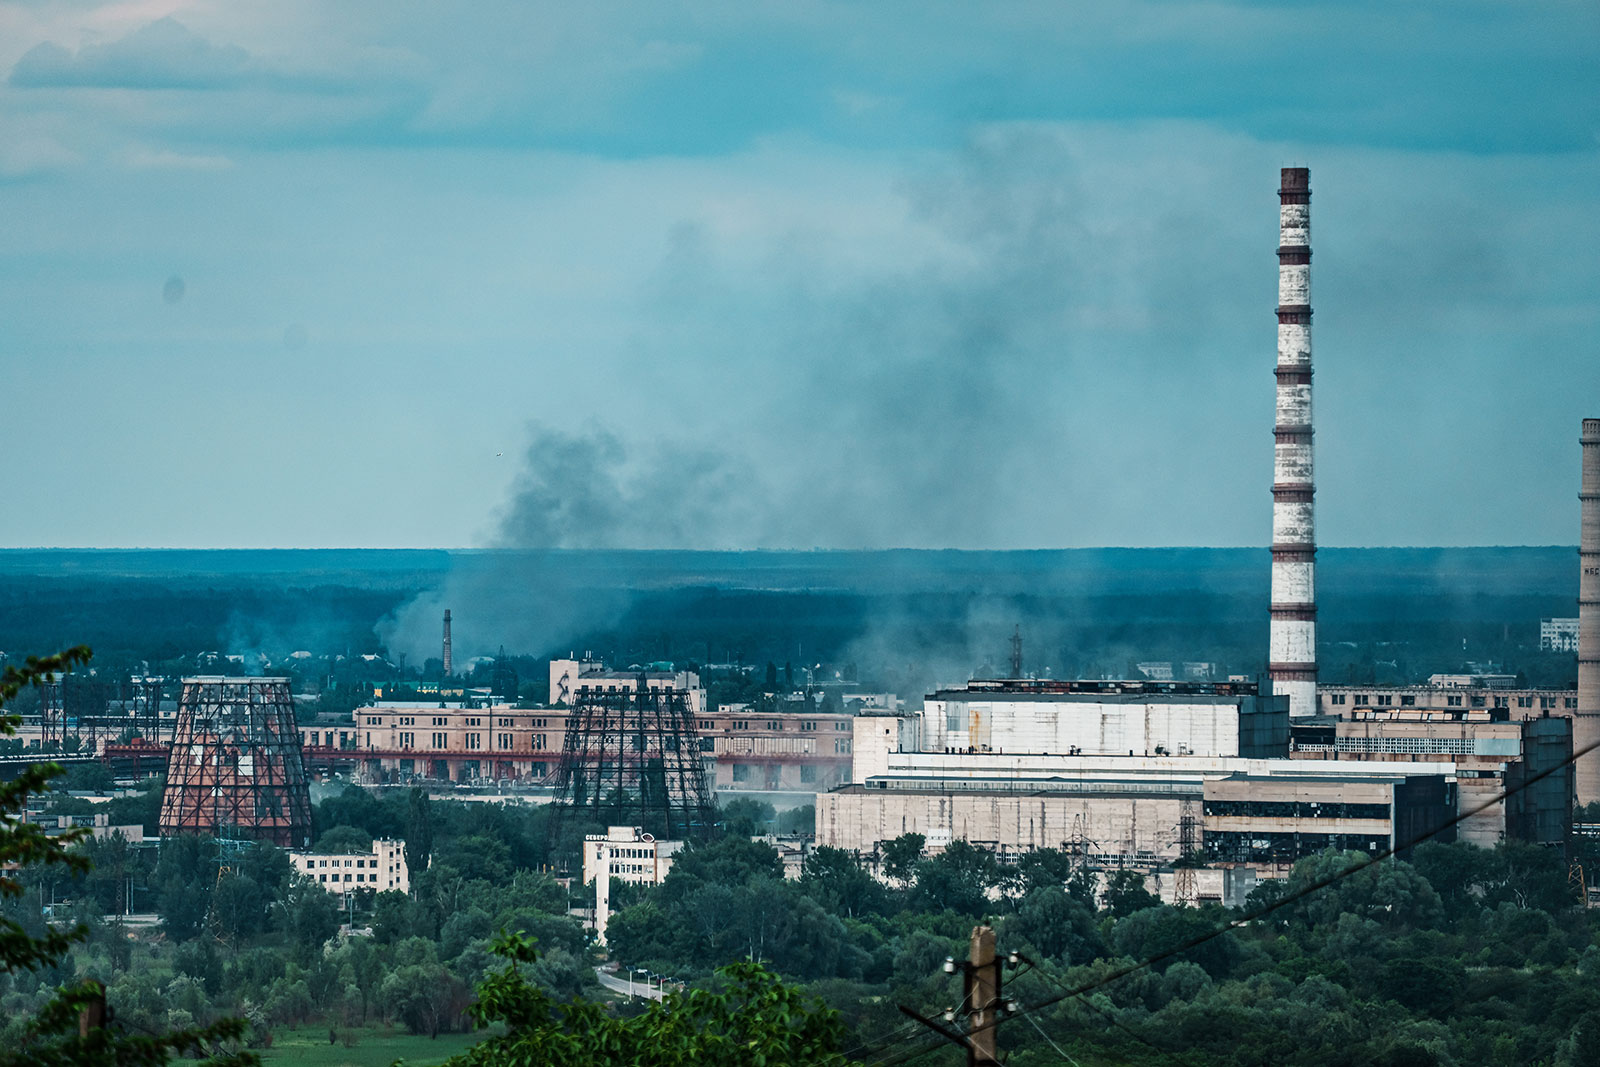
[53,1037]
[755,1020]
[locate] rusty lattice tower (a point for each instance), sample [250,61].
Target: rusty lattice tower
[632,757]
[235,768]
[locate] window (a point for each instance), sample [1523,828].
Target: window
[775,724]
[1454,702]
[809,724]
[1338,698]
[841,745]
[505,741]
[1477,702]
[740,724]
[1384,699]
[474,742]
[538,742]
[808,773]
[439,741]
[407,740]
[1570,702]
[474,722]
[1409,702]
[1524,702]
[741,772]
[439,720]
[1361,698]
[841,726]
[1547,702]
[408,721]
[506,722]
[1502,702]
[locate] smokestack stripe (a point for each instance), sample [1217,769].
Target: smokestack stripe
[1586,725]
[1292,653]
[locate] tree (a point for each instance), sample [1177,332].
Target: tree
[344,839]
[419,832]
[747,816]
[1126,894]
[54,1038]
[753,1020]
[834,879]
[900,856]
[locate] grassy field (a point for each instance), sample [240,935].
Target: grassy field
[375,1047]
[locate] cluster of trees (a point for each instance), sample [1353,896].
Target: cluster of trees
[1462,955]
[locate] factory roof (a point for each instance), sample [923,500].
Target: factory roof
[1127,690]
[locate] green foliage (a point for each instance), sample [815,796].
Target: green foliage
[752,1020]
[901,854]
[52,1037]
[1125,893]
[744,816]
[343,840]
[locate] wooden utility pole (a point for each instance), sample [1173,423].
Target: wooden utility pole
[92,1016]
[983,999]
[980,984]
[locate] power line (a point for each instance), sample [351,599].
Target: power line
[1267,909]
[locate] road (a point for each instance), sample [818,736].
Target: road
[620,985]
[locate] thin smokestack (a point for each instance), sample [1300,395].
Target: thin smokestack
[1292,647]
[448,666]
[1586,725]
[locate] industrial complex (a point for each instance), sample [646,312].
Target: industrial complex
[1245,775]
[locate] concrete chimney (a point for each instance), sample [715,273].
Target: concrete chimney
[1292,647]
[447,664]
[1586,725]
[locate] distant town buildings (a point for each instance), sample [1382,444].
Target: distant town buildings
[1558,635]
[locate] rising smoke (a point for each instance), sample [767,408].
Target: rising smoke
[949,400]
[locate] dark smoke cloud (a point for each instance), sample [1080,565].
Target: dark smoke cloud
[586,491]
[948,400]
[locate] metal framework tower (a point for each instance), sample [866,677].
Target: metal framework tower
[235,769]
[1586,724]
[52,714]
[633,757]
[1292,647]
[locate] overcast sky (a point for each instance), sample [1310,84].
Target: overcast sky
[787,274]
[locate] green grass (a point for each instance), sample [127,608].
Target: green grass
[307,1046]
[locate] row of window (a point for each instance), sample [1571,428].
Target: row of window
[1456,746]
[1408,700]
[335,878]
[1295,809]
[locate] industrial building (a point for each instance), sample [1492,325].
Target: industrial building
[1145,772]
[468,741]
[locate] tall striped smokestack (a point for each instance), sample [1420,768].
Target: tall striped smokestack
[1292,647]
[1586,726]
[447,663]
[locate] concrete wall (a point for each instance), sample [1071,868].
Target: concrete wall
[860,818]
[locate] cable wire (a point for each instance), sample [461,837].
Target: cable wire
[1267,909]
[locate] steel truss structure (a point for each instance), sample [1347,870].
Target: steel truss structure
[235,768]
[634,758]
[52,714]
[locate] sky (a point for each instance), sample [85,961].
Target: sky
[798,274]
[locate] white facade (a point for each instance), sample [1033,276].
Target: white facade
[1078,723]
[382,869]
[628,855]
[568,677]
[1558,635]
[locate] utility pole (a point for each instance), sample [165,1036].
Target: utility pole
[983,998]
[981,984]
